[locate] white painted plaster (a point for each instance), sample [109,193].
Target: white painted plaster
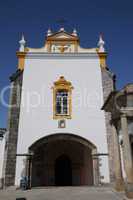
[83,70]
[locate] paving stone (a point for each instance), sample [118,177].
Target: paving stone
[63,193]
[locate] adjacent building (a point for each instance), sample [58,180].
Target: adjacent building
[120,105]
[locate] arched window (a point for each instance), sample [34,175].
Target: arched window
[62,99]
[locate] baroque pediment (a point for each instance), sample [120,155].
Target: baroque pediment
[62,35]
[62,42]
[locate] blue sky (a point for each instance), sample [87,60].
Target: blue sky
[112,18]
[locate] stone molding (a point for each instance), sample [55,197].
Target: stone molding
[61,56]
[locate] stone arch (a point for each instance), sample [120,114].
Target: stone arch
[46,152]
[64,136]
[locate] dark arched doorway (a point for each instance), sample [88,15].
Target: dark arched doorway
[63,171]
[63,159]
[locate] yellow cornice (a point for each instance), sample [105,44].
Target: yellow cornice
[21,59]
[102,57]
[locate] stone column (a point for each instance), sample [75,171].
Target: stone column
[96,175]
[119,183]
[127,157]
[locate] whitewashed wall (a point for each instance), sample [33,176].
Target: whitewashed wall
[2,148]
[36,121]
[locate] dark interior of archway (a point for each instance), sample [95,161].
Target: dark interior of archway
[63,171]
[60,163]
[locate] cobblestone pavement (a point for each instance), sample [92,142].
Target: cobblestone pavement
[63,193]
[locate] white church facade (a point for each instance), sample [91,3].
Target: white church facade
[57,133]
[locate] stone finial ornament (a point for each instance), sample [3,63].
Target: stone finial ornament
[49,32]
[101,44]
[74,32]
[22,43]
[62,29]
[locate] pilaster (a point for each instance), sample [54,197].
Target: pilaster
[119,182]
[108,86]
[12,130]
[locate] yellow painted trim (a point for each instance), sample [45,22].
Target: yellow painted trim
[62,39]
[76,44]
[21,59]
[48,44]
[102,57]
[65,85]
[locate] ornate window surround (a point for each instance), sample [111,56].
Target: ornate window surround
[62,84]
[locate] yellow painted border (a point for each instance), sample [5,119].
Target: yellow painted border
[21,59]
[65,85]
[102,57]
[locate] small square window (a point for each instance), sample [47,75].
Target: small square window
[61,124]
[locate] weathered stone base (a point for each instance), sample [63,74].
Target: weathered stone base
[1,183]
[129,190]
[119,185]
